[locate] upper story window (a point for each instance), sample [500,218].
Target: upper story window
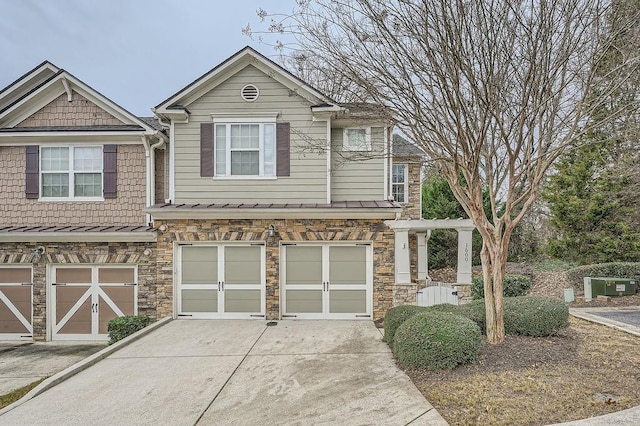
[245,149]
[71,172]
[399,183]
[357,139]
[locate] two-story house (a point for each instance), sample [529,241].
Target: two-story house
[76,172]
[278,197]
[250,194]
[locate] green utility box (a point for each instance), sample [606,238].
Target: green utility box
[613,286]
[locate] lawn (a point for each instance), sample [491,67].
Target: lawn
[585,371]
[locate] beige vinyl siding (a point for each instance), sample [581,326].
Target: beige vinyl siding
[357,176]
[307,180]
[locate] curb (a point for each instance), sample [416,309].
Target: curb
[84,364]
[590,314]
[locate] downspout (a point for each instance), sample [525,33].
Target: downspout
[147,157]
[150,173]
[328,160]
[385,156]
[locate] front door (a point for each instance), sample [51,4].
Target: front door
[327,281]
[221,281]
[85,298]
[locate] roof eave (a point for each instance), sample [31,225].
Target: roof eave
[74,237]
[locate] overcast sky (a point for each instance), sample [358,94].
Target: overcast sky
[135,52]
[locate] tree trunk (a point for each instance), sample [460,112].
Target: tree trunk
[493,256]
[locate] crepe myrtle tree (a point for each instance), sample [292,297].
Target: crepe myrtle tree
[493,91]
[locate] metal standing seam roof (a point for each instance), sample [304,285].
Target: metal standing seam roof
[333,205]
[74,229]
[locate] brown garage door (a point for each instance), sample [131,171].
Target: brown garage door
[16,298]
[86,298]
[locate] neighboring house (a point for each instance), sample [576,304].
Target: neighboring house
[278,198]
[76,172]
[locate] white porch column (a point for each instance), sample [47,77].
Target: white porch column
[422,255]
[464,255]
[403,265]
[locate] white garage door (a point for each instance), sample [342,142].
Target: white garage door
[16,299]
[221,281]
[327,281]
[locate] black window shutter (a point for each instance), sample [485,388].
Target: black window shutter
[32,187]
[206,150]
[110,171]
[283,147]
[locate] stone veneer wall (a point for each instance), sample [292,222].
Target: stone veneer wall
[79,112]
[286,230]
[83,253]
[126,209]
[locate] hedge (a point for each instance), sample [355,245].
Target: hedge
[121,327]
[395,317]
[576,276]
[514,285]
[534,316]
[436,340]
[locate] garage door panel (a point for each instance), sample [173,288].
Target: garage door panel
[199,300]
[80,321]
[199,265]
[66,297]
[123,297]
[347,301]
[20,297]
[15,275]
[304,301]
[73,275]
[116,275]
[242,265]
[348,265]
[304,265]
[106,315]
[242,301]
[9,323]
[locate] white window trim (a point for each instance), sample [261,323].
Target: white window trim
[345,140]
[405,184]
[71,174]
[260,120]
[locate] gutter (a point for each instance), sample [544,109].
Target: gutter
[91,237]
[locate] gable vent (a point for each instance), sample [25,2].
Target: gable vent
[249,93]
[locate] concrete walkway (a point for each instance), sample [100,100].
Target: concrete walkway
[239,372]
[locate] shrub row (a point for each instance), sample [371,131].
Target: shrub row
[514,285]
[442,337]
[614,269]
[121,327]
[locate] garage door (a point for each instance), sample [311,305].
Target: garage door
[16,301]
[221,281]
[85,298]
[327,281]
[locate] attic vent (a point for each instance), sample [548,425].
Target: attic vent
[249,93]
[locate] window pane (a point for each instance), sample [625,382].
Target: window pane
[54,159]
[398,193]
[55,185]
[269,149]
[356,138]
[398,173]
[221,149]
[88,185]
[87,158]
[245,136]
[245,163]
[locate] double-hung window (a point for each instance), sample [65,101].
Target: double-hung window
[245,149]
[357,139]
[68,172]
[399,183]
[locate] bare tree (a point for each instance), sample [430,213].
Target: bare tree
[492,90]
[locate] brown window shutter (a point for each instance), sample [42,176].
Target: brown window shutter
[206,149]
[32,171]
[109,171]
[283,147]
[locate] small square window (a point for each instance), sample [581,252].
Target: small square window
[357,139]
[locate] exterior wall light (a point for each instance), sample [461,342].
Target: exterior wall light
[271,230]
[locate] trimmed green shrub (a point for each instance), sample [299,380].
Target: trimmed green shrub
[534,316]
[395,317]
[121,327]
[514,285]
[475,311]
[436,340]
[614,269]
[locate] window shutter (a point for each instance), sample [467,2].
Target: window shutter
[206,150]
[32,172]
[283,161]
[109,171]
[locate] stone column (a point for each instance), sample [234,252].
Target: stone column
[403,264]
[464,255]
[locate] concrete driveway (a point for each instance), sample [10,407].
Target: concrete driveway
[239,372]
